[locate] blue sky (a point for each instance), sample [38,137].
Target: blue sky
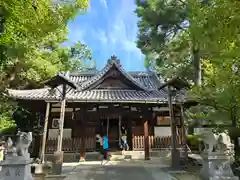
[109,28]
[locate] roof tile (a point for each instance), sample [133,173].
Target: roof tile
[92,95]
[147,81]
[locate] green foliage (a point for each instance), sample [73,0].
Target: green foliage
[6,110]
[30,41]
[220,91]
[181,37]
[30,45]
[28,120]
[6,122]
[164,37]
[193,140]
[79,55]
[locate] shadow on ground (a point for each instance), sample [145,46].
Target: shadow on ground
[121,170]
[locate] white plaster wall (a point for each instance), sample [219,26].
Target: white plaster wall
[53,133]
[162,131]
[199,130]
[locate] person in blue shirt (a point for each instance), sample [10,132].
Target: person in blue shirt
[105,147]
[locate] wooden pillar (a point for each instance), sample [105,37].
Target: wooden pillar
[184,135]
[174,152]
[74,113]
[152,122]
[129,126]
[146,140]
[62,115]
[178,122]
[48,107]
[59,154]
[180,128]
[119,129]
[83,133]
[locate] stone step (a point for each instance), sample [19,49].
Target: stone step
[91,156]
[117,157]
[115,152]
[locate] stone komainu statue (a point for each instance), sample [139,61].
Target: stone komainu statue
[21,146]
[25,139]
[224,143]
[220,142]
[209,139]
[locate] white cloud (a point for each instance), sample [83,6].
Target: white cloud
[100,35]
[77,34]
[104,3]
[111,31]
[125,27]
[122,30]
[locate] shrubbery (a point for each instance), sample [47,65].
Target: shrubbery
[194,141]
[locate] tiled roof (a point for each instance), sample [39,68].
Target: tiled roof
[146,79]
[147,83]
[112,62]
[92,95]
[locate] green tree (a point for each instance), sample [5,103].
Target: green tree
[164,37]
[217,30]
[179,35]
[79,56]
[168,35]
[31,33]
[218,35]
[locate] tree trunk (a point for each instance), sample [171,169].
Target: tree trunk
[11,74]
[234,125]
[197,66]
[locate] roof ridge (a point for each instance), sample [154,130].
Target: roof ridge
[25,90]
[117,90]
[111,62]
[77,73]
[140,73]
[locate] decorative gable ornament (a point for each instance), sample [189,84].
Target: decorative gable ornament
[113,60]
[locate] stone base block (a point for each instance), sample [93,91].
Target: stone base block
[224,178]
[175,159]
[57,162]
[54,177]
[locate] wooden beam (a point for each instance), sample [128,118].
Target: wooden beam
[59,154]
[83,133]
[152,121]
[146,140]
[185,145]
[62,116]
[129,131]
[74,114]
[107,112]
[172,122]
[48,107]
[175,153]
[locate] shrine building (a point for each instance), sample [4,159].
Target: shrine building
[105,101]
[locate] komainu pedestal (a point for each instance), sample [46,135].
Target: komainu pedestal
[216,166]
[217,156]
[16,168]
[17,163]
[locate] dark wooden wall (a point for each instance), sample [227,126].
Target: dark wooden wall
[93,123]
[85,119]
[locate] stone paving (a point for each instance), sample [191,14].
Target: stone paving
[98,170]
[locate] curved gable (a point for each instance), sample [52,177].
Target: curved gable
[112,70]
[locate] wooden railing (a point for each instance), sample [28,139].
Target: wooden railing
[74,144]
[71,144]
[155,142]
